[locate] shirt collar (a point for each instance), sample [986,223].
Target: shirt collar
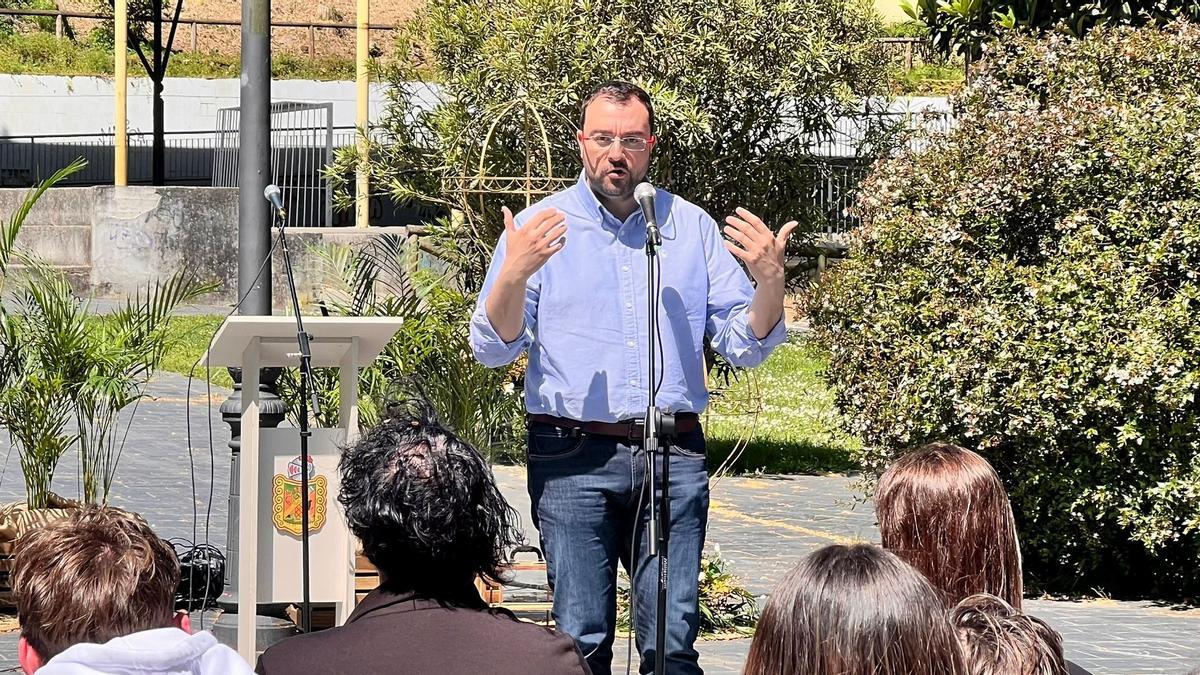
[591,205]
[587,199]
[385,599]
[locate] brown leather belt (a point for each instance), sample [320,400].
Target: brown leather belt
[632,430]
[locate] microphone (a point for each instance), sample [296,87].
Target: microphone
[644,193]
[271,194]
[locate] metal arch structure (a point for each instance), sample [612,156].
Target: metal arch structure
[469,191]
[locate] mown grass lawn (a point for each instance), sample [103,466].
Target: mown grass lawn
[797,427]
[794,431]
[189,339]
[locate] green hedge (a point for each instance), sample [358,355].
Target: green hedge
[1028,286]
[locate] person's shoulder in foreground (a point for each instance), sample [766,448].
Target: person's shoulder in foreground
[96,592]
[163,651]
[409,635]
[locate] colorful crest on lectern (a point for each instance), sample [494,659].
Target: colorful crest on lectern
[285,499]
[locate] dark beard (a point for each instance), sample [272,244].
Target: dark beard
[598,185]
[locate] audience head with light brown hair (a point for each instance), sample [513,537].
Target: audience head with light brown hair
[854,610]
[998,640]
[95,593]
[943,509]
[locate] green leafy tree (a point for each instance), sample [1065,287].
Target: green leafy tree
[742,92]
[1027,286]
[965,26]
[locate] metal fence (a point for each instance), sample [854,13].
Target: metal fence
[870,131]
[301,148]
[25,160]
[835,184]
[905,52]
[303,140]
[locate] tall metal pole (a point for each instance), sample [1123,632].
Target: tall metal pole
[120,80]
[254,158]
[254,286]
[362,57]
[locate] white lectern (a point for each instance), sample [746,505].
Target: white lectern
[269,547]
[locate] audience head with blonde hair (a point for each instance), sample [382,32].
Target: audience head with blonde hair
[998,640]
[943,509]
[854,610]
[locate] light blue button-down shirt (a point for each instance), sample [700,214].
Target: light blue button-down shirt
[585,312]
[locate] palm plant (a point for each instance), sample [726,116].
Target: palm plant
[38,349]
[430,357]
[58,363]
[122,353]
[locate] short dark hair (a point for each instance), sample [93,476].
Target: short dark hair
[425,505]
[95,575]
[620,92]
[854,610]
[998,640]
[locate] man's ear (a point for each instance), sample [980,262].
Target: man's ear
[28,657]
[183,622]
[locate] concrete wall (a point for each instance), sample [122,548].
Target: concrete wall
[113,241]
[44,104]
[58,228]
[140,234]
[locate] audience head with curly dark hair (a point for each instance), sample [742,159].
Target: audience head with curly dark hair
[425,505]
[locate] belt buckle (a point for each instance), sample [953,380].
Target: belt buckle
[637,429]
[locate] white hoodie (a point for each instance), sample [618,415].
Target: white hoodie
[162,651]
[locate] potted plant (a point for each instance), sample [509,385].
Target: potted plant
[66,376]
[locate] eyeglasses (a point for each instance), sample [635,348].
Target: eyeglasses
[630,143]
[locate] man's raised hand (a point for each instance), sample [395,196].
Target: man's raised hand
[531,245]
[756,245]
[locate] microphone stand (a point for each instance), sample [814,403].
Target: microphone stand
[307,388]
[657,425]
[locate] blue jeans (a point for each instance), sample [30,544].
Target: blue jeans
[585,491]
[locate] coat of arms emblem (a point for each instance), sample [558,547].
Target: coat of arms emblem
[285,499]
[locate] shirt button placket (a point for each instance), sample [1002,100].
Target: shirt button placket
[631,329]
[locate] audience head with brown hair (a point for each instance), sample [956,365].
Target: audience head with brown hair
[943,509]
[95,593]
[998,640]
[854,610]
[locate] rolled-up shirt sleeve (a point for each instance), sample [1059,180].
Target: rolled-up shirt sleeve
[489,348]
[729,295]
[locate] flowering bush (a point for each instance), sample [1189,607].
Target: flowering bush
[1027,286]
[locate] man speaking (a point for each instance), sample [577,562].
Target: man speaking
[568,283]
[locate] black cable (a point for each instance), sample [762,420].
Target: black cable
[212,454]
[190,555]
[633,556]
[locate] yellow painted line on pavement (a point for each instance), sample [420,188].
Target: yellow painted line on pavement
[216,398]
[722,510]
